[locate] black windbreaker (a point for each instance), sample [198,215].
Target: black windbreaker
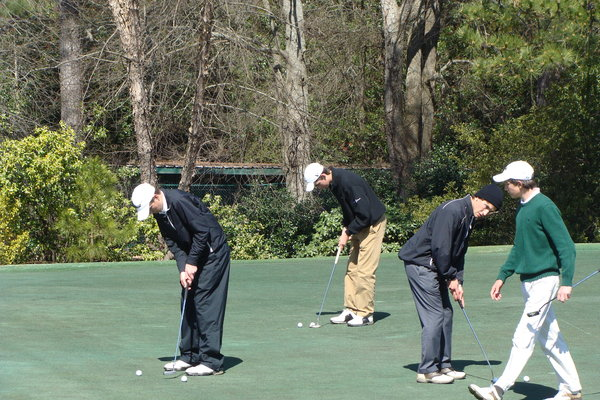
[360,206]
[442,242]
[189,229]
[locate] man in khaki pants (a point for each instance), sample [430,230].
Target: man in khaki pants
[364,225]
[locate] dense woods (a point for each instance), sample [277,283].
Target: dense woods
[442,93]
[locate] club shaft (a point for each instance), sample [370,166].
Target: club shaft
[554,298]
[337,257]
[477,339]
[185,294]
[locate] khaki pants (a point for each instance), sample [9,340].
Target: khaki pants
[359,282]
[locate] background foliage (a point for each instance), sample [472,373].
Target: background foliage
[515,80]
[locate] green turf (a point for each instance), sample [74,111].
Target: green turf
[80,331]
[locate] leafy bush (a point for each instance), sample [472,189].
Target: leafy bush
[287,225]
[324,240]
[99,221]
[37,179]
[243,235]
[13,244]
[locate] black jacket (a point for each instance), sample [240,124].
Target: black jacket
[189,229]
[360,206]
[442,242]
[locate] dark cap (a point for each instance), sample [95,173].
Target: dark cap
[491,193]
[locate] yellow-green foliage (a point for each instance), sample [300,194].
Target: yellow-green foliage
[12,244]
[36,180]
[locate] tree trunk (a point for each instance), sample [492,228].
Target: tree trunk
[292,88]
[197,131]
[70,70]
[411,31]
[127,17]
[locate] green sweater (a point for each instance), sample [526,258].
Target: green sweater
[542,246]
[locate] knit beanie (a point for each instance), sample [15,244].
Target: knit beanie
[491,193]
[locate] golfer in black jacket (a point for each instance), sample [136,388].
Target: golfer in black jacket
[364,225]
[434,259]
[199,245]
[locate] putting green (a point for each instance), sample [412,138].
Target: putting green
[80,331]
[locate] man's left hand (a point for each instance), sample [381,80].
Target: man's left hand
[457,291]
[564,293]
[190,272]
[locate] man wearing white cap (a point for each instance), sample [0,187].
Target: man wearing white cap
[543,255]
[199,245]
[364,225]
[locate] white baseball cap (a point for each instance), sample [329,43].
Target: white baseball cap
[311,174]
[141,197]
[520,170]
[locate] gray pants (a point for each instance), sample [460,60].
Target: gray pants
[432,300]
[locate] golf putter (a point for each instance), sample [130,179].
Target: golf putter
[534,313]
[173,371]
[494,379]
[337,257]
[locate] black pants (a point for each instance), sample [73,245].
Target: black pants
[202,327]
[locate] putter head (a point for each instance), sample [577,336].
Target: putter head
[533,313]
[169,372]
[314,326]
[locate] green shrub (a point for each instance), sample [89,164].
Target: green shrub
[243,235]
[99,222]
[324,240]
[287,225]
[37,179]
[13,244]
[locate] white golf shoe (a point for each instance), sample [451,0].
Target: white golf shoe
[485,393]
[202,370]
[564,395]
[434,377]
[344,317]
[360,321]
[178,365]
[453,373]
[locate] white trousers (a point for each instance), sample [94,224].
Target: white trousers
[544,329]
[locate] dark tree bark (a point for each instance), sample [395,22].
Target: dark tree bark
[197,130]
[411,32]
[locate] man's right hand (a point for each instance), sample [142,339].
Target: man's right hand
[495,291]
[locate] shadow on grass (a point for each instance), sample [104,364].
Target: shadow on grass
[533,391]
[459,365]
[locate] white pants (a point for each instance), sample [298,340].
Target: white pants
[544,329]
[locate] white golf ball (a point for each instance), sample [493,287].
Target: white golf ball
[184,378]
[526,378]
[138,372]
[312,325]
[299,324]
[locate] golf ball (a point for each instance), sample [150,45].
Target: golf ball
[138,372]
[299,324]
[312,325]
[526,378]
[184,378]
